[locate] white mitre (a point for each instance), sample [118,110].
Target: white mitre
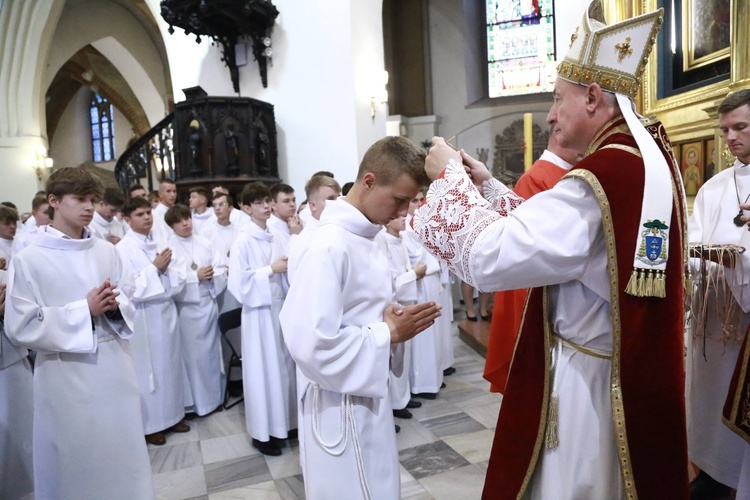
[614,57]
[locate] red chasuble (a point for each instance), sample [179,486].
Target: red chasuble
[508,309]
[647,375]
[737,405]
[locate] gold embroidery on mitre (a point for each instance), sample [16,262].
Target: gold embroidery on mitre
[587,63]
[574,37]
[625,50]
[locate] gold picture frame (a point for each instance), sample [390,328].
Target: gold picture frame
[706,37]
[692,114]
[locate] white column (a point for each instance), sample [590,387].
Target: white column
[26,29]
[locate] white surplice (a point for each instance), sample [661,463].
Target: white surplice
[6,250]
[427,348]
[404,281]
[445,322]
[201,220]
[712,446]
[88,434]
[222,238]
[160,231]
[280,230]
[298,246]
[333,324]
[560,244]
[156,345]
[239,218]
[268,371]
[102,228]
[16,418]
[26,237]
[198,316]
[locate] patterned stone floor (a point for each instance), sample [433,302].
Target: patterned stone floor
[443,449]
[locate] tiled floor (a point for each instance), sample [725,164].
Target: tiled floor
[443,450]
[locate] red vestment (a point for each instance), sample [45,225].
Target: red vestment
[647,373]
[508,308]
[737,406]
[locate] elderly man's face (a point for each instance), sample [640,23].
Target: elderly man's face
[568,116]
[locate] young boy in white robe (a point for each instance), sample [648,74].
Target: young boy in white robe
[199,205]
[198,315]
[222,232]
[105,225]
[257,265]
[154,277]
[62,301]
[318,189]
[427,350]
[284,222]
[341,329]
[160,203]
[405,277]
[30,229]
[16,412]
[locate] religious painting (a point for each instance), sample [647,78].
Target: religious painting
[687,60]
[710,160]
[691,164]
[706,37]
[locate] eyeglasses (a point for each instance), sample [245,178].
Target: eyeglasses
[220,205]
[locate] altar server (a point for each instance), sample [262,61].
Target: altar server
[198,315]
[154,277]
[63,302]
[257,266]
[341,328]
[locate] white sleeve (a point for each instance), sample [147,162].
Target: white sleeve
[249,277]
[32,324]
[219,281]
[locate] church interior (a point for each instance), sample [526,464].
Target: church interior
[134,92]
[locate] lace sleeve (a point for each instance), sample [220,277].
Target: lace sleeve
[455,215]
[501,198]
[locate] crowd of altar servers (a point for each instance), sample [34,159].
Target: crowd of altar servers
[183,267]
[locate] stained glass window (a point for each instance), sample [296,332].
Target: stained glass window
[520,47]
[102,129]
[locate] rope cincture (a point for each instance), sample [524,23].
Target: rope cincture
[551,434]
[347,424]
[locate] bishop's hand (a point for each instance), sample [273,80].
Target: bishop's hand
[438,157]
[406,322]
[477,170]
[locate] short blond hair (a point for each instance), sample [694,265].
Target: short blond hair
[390,158]
[319,181]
